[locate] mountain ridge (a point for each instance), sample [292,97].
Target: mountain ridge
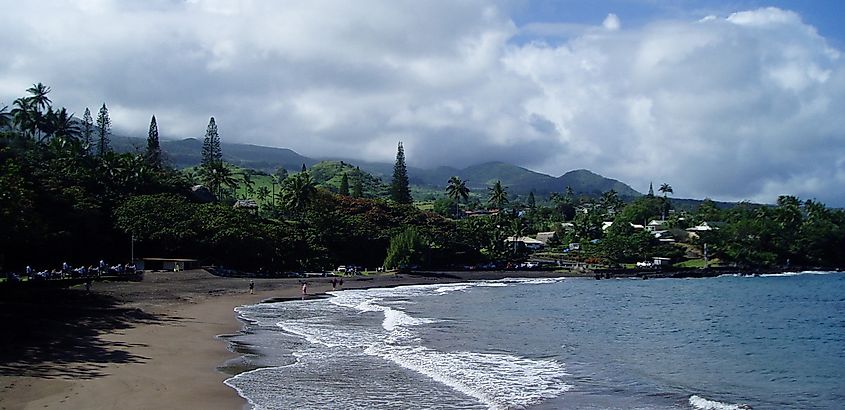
[184,153]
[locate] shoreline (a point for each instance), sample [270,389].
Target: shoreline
[159,343]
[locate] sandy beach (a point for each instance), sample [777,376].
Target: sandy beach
[147,345]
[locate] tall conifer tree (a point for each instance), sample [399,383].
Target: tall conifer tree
[344,185]
[153,147]
[87,130]
[103,131]
[358,188]
[400,190]
[211,152]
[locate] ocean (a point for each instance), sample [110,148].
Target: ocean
[769,342]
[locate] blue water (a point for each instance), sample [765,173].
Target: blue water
[722,343]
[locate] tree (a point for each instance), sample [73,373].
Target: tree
[39,98]
[5,117]
[457,190]
[405,249]
[153,154]
[297,193]
[62,124]
[249,184]
[358,188]
[87,131]
[344,185]
[532,202]
[103,131]
[665,189]
[262,193]
[400,190]
[498,195]
[610,202]
[217,176]
[211,152]
[25,116]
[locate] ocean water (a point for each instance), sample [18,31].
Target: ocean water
[771,342]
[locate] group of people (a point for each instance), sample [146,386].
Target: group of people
[67,271]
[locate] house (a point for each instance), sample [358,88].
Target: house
[655,225]
[482,212]
[704,227]
[663,236]
[574,246]
[166,264]
[606,225]
[658,261]
[567,226]
[545,237]
[529,242]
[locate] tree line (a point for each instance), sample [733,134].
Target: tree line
[66,196]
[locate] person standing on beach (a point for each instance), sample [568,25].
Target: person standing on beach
[251,287]
[334,283]
[304,289]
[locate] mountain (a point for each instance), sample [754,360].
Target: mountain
[188,152]
[518,180]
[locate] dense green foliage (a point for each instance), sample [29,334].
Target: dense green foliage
[63,200]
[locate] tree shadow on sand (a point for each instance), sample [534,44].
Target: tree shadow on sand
[55,333]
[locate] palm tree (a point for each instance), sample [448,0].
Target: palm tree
[39,97]
[298,191]
[5,117]
[248,183]
[62,125]
[262,193]
[217,176]
[665,188]
[498,195]
[25,116]
[517,229]
[457,190]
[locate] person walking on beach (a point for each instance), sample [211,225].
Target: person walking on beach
[304,289]
[334,284]
[251,287]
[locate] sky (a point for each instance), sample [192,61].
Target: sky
[731,100]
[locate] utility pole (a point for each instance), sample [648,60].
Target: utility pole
[705,255]
[132,250]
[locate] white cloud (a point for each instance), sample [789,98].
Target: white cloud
[611,22]
[746,106]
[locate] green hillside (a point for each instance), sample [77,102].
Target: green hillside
[426,183]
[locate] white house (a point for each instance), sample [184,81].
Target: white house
[655,225]
[545,237]
[529,242]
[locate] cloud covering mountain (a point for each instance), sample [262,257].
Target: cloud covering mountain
[745,105]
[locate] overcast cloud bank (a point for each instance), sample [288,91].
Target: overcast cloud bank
[742,106]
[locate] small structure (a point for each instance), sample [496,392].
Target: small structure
[166,264]
[703,227]
[659,261]
[655,225]
[527,241]
[606,225]
[545,237]
[247,204]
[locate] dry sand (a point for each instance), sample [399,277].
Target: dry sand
[137,345]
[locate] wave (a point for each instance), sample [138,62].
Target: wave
[498,381]
[700,403]
[806,272]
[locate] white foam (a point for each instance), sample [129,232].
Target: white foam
[806,272]
[700,403]
[497,380]
[453,288]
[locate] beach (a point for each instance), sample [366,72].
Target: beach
[149,344]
